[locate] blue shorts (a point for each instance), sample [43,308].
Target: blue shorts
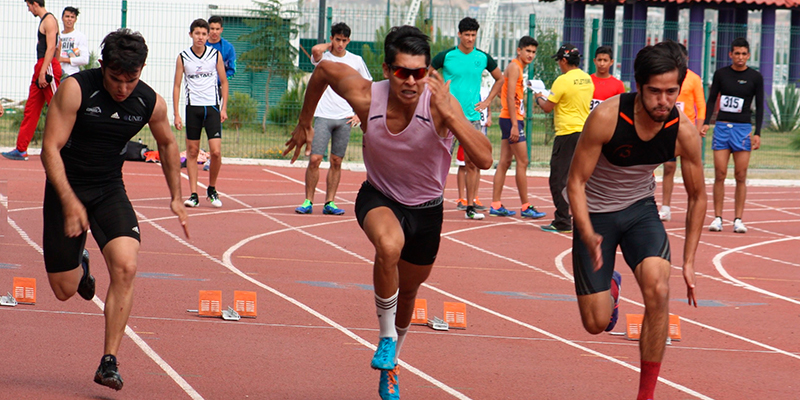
[731,136]
[505,129]
[637,230]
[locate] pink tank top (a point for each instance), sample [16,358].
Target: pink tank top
[411,166]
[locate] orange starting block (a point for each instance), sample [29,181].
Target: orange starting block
[25,290]
[455,314]
[210,303]
[420,316]
[633,323]
[244,303]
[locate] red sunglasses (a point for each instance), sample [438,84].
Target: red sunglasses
[404,73]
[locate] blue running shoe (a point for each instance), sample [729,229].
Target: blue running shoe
[305,208]
[331,209]
[389,387]
[531,212]
[384,354]
[616,285]
[501,212]
[16,155]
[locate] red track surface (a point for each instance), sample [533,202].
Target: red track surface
[317,321]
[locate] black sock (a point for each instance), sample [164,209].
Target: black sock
[328,202]
[470,209]
[193,196]
[211,189]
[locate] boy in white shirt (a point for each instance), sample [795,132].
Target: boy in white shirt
[73,44]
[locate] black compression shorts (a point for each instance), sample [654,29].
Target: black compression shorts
[110,214]
[422,225]
[199,117]
[637,230]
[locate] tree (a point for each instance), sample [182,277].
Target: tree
[272,52]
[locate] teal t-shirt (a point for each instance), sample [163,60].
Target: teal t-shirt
[464,73]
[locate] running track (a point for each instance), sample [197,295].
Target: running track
[316,327]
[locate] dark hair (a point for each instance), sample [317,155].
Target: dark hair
[39,2]
[526,41]
[199,23]
[124,50]
[740,42]
[683,50]
[604,50]
[406,39]
[340,29]
[659,59]
[70,9]
[468,24]
[215,19]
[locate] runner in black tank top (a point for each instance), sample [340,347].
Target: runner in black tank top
[82,149]
[611,193]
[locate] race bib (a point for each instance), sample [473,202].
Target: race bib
[521,107]
[679,105]
[484,116]
[594,103]
[731,104]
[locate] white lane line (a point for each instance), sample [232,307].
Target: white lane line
[718,265]
[227,263]
[188,389]
[560,266]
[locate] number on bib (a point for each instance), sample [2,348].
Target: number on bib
[679,105]
[594,103]
[731,104]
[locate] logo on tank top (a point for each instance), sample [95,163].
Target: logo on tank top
[623,151]
[94,111]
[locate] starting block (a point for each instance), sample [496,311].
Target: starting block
[633,323]
[420,316]
[210,303]
[25,290]
[455,314]
[244,304]
[230,315]
[8,300]
[438,324]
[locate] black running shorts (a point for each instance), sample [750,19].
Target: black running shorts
[422,226]
[637,230]
[199,117]
[110,214]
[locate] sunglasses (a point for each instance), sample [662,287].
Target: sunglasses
[404,73]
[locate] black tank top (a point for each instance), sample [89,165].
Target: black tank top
[95,151]
[626,148]
[41,44]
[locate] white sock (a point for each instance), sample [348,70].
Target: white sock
[401,337]
[387,310]
[665,209]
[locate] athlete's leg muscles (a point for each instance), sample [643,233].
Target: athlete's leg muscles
[741,160]
[121,255]
[192,150]
[500,173]
[215,148]
[520,151]
[721,158]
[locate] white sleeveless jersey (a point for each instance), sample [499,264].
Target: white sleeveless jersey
[201,77]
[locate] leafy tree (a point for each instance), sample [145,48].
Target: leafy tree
[373,55]
[92,62]
[241,111]
[272,52]
[546,69]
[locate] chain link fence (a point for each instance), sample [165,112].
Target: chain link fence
[265,104]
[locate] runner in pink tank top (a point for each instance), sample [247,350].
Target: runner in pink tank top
[410,121]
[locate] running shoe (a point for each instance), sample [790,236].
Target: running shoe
[16,155]
[86,285]
[107,373]
[471,214]
[207,165]
[665,214]
[716,225]
[461,205]
[331,209]
[478,205]
[193,201]
[616,285]
[501,212]
[532,213]
[384,354]
[738,226]
[305,208]
[213,197]
[389,386]
[553,228]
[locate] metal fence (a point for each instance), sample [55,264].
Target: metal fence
[165,26]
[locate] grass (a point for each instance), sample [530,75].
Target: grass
[774,159]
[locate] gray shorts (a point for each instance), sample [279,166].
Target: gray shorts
[337,131]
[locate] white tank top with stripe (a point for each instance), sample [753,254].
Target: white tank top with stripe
[201,77]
